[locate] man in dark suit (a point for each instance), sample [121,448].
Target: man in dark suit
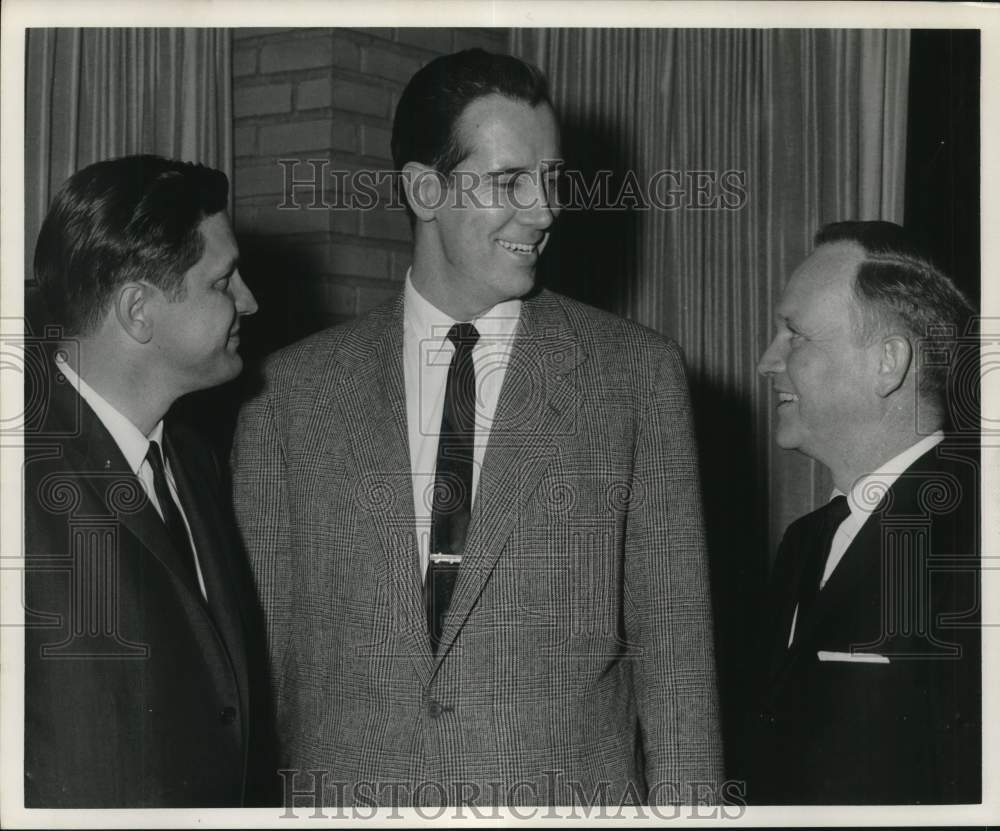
[870,687]
[138,604]
[473,514]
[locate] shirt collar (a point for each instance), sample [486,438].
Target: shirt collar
[129,438]
[426,320]
[869,489]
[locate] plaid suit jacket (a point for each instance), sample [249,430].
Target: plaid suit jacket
[577,655]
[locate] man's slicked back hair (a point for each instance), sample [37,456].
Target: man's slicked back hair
[898,287]
[121,220]
[424,128]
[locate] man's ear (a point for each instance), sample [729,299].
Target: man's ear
[895,357]
[425,189]
[132,308]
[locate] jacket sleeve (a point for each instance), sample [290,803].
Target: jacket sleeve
[667,605]
[260,503]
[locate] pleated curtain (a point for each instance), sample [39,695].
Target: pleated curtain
[814,121]
[96,94]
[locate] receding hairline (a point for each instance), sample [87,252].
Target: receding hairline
[843,276]
[461,126]
[853,253]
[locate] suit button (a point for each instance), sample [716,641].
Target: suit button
[228,715]
[436,709]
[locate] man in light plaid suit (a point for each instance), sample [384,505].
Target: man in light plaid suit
[511,608]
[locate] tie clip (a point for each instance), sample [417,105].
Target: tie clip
[446,559]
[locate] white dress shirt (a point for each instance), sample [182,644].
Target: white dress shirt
[865,495]
[427,354]
[134,447]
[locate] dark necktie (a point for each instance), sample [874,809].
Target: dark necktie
[828,519]
[452,507]
[171,514]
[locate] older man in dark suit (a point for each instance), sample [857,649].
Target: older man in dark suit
[138,601]
[473,514]
[870,687]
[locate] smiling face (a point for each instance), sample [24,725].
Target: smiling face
[196,335]
[482,244]
[823,378]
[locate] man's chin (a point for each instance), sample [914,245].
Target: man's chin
[225,372]
[235,366]
[522,283]
[786,440]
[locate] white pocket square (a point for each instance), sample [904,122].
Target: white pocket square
[852,657]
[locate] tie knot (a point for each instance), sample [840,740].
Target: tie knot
[154,455]
[463,335]
[836,511]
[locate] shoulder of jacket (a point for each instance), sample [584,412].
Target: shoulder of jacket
[598,325]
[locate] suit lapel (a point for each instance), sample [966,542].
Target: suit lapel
[205,516]
[103,468]
[859,575]
[538,404]
[372,401]
[783,600]
[856,576]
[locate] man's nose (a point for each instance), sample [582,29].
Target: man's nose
[773,359]
[246,303]
[539,212]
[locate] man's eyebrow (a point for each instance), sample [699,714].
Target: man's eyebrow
[549,166]
[227,269]
[507,171]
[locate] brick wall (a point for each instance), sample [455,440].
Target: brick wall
[323,97]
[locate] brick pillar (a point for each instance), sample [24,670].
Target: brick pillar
[308,102]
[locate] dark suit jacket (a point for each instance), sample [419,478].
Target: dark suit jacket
[577,655]
[136,692]
[902,732]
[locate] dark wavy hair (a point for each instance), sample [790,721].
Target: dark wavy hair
[132,218]
[897,286]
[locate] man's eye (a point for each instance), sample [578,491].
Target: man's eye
[515,180]
[223,284]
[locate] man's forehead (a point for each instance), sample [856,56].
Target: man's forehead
[220,242]
[825,277]
[217,227]
[831,267]
[505,132]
